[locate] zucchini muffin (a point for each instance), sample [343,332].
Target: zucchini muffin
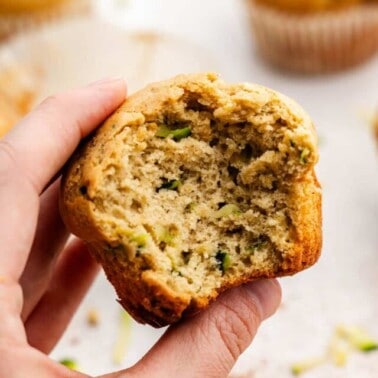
[18,88]
[194,186]
[315,36]
[23,15]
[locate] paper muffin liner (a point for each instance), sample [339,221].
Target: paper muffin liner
[11,24]
[318,42]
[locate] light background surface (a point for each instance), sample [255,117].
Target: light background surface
[205,35]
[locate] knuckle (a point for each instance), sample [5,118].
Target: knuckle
[58,109]
[8,164]
[11,172]
[7,157]
[53,101]
[11,297]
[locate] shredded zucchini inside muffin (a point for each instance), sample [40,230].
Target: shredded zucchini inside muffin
[193,186]
[204,189]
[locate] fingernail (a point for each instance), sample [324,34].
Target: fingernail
[106,81]
[267,293]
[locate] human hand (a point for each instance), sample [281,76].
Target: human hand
[42,281]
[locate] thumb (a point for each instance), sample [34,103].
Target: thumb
[208,345]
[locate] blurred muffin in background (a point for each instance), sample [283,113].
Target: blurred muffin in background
[19,87]
[315,36]
[308,5]
[22,15]
[8,116]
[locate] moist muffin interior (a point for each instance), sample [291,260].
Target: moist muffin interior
[204,190]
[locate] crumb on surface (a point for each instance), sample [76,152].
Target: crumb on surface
[70,363]
[93,317]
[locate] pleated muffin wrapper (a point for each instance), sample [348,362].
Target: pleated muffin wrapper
[21,22]
[316,42]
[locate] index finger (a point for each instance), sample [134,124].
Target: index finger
[43,141]
[34,151]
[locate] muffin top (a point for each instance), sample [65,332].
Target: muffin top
[193,186]
[11,6]
[309,5]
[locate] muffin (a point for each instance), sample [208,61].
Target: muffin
[18,89]
[315,36]
[20,16]
[8,116]
[194,186]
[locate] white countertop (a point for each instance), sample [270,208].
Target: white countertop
[343,286]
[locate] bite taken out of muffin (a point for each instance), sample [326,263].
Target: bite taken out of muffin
[194,186]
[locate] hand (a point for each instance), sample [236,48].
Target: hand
[42,281]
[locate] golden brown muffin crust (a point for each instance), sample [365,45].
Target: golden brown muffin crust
[177,219]
[12,6]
